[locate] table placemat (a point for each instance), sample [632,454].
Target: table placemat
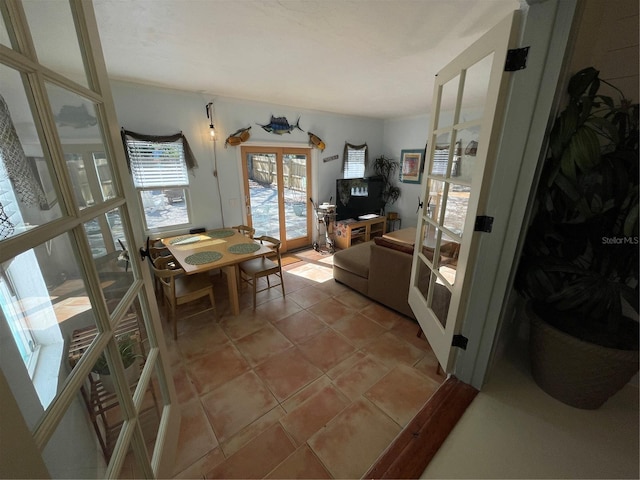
[185,239]
[220,233]
[203,257]
[244,248]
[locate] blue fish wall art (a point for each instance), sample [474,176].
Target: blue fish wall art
[280,125]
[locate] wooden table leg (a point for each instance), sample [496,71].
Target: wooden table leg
[232,285]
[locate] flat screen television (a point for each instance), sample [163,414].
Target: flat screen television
[358,196]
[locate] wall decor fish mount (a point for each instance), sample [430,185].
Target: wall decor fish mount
[280,125]
[238,137]
[316,141]
[76,117]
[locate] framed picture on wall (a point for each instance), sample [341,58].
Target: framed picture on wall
[411,166]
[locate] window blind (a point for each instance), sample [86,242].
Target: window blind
[157,164]
[440,160]
[354,163]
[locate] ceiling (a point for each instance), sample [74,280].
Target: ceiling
[373,58]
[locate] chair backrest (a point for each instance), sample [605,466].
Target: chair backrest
[155,252]
[165,269]
[274,245]
[245,230]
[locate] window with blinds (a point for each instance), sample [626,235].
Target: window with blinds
[161,177]
[354,164]
[157,164]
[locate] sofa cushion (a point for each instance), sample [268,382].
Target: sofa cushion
[355,259]
[383,242]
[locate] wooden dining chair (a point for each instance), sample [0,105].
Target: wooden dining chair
[252,270]
[245,230]
[178,288]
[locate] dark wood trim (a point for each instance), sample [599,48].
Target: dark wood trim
[415,446]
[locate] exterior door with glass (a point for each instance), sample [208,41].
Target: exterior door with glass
[467,103]
[276,182]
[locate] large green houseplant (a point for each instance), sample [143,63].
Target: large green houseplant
[385,168]
[579,266]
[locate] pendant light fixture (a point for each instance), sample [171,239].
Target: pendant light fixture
[212,129]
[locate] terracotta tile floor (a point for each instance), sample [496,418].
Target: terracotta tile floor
[312,385]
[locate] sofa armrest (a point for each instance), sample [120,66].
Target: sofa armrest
[389,278]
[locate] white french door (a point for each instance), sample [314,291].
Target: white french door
[276,190]
[72,287]
[467,103]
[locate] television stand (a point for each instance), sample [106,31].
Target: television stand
[352,232]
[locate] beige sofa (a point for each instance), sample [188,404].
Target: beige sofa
[381,270]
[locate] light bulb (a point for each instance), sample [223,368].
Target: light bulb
[212,132]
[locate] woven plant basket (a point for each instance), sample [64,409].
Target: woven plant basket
[578,373]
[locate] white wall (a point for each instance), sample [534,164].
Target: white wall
[159,111]
[407,133]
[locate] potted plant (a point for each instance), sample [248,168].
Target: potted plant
[385,168]
[127,346]
[579,267]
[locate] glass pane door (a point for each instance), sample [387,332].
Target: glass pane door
[276,196]
[262,183]
[296,203]
[466,98]
[71,296]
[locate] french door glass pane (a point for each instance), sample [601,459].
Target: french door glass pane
[149,411]
[4,35]
[439,300]
[110,256]
[27,195]
[476,84]
[448,102]
[105,176]
[72,451]
[61,53]
[434,206]
[455,212]
[468,139]
[295,195]
[441,156]
[98,396]
[77,123]
[44,294]
[263,193]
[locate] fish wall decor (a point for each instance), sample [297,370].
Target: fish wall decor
[280,125]
[316,141]
[238,137]
[76,117]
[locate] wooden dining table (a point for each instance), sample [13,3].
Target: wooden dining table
[221,248]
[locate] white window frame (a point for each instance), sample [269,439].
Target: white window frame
[146,178]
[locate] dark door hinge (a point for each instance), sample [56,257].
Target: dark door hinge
[516,59]
[460,341]
[483,224]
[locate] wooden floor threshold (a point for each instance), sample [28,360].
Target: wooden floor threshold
[415,446]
